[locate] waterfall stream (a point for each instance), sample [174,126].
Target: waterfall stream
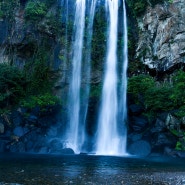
[73,136]
[123,101]
[112,116]
[87,66]
[107,139]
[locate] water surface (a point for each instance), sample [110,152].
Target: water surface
[83,169]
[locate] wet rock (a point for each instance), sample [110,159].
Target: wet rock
[138,124]
[56,145]
[18,147]
[16,118]
[67,151]
[162,36]
[3,31]
[158,127]
[172,123]
[135,137]
[161,140]
[20,131]
[140,148]
[52,132]
[135,109]
[32,119]
[174,153]
[43,150]
[2,129]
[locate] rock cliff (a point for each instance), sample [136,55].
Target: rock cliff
[161,44]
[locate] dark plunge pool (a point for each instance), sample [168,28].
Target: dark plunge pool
[89,169]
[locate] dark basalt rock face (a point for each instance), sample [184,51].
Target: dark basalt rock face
[22,131]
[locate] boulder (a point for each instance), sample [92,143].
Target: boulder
[57,146]
[161,140]
[159,126]
[67,151]
[138,124]
[140,148]
[134,137]
[174,153]
[172,123]
[20,131]
[135,110]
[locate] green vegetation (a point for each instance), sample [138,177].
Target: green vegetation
[12,85]
[99,38]
[30,87]
[7,8]
[179,146]
[33,84]
[157,97]
[37,73]
[96,90]
[138,7]
[40,100]
[35,10]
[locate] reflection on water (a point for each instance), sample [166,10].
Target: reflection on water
[83,169]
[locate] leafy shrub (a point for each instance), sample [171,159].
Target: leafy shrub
[157,99]
[157,96]
[140,85]
[7,8]
[12,85]
[138,7]
[37,73]
[35,10]
[179,146]
[181,112]
[40,100]
[178,95]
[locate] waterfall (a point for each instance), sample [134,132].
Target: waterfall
[113,115]
[111,126]
[74,127]
[123,92]
[87,65]
[107,138]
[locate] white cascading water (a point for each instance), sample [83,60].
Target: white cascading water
[111,129]
[87,66]
[123,92]
[73,136]
[108,140]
